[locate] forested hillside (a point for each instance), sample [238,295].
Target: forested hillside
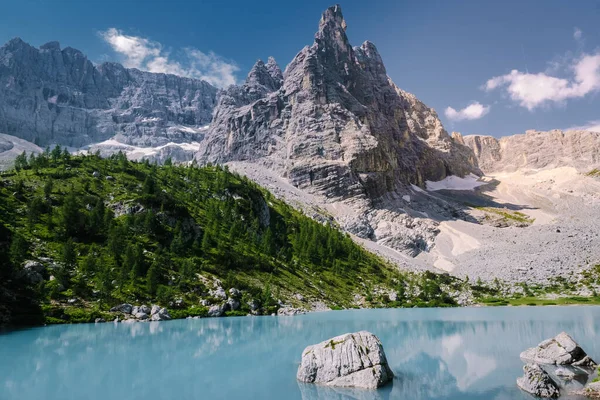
[80,234]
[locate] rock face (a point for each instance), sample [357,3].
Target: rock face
[560,350]
[537,382]
[591,390]
[335,126]
[350,360]
[53,95]
[535,149]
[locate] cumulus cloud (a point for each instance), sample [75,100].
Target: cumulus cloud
[534,90]
[474,110]
[593,126]
[141,53]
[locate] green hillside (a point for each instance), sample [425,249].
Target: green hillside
[109,231]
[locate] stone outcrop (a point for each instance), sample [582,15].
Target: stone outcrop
[350,360]
[560,350]
[141,313]
[335,126]
[591,390]
[537,382]
[53,95]
[535,149]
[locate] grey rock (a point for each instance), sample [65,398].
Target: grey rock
[219,293]
[234,304]
[349,360]
[205,302]
[290,311]
[591,390]
[53,95]
[129,321]
[560,350]
[155,309]
[564,373]
[254,305]
[217,310]
[537,382]
[135,310]
[535,150]
[161,315]
[99,320]
[124,308]
[33,271]
[145,309]
[235,293]
[141,315]
[338,128]
[96,174]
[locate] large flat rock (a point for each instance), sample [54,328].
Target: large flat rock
[349,360]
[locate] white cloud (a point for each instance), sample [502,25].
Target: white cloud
[472,111]
[577,34]
[534,90]
[593,126]
[147,55]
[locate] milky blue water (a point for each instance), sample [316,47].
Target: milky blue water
[459,354]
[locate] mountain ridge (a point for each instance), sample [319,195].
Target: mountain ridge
[53,95]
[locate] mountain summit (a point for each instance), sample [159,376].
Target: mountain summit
[337,127]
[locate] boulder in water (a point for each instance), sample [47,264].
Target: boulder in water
[350,360]
[537,382]
[560,350]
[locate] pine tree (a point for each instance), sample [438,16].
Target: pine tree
[70,215]
[18,249]
[153,278]
[48,186]
[69,254]
[21,161]
[139,265]
[34,209]
[55,154]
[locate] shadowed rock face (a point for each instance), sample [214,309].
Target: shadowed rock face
[336,125]
[535,149]
[53,95]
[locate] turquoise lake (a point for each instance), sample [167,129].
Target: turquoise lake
[458,354]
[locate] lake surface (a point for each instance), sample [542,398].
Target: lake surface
[459,354]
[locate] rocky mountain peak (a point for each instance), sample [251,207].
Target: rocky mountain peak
[264,75]
[54,45]
[331,36]
[274,70]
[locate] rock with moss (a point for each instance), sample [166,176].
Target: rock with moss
[591,390]
[350,360]
[537,382]
[560,350]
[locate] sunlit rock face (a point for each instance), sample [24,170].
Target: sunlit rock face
[535,149]
[335,124]
[53,95]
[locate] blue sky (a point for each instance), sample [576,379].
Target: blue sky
[456,54]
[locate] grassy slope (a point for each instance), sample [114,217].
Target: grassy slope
[189,226]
